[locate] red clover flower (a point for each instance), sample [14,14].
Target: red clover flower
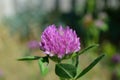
[59,41]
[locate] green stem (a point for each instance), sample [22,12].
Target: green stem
[75,61]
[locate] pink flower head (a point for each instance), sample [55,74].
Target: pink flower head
[59,41]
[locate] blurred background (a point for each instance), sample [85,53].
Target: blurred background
[95,21]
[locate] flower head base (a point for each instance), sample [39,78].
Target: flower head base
[59,41]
